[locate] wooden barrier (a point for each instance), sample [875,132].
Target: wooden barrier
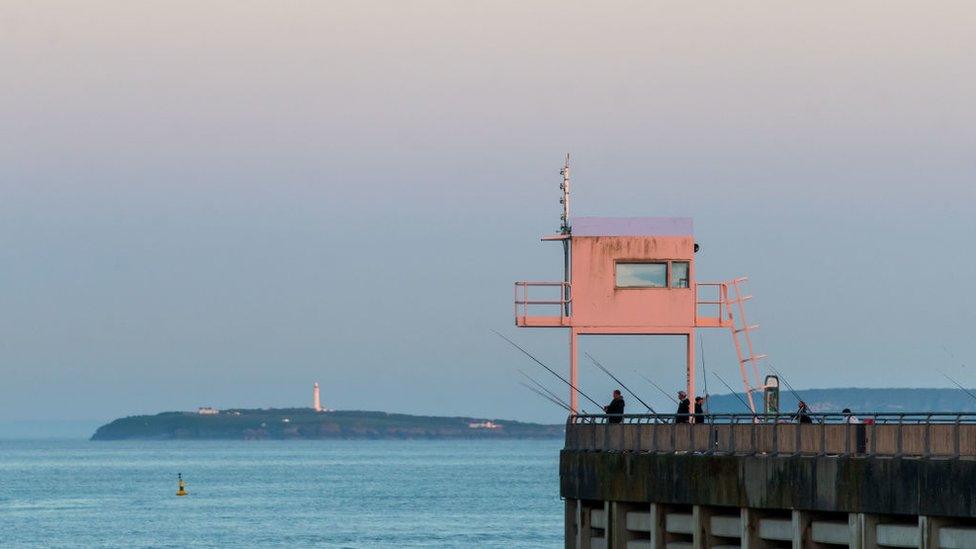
[937,440]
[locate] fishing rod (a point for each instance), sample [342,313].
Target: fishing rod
[613,377]
[957,384]
[545,396]
[731,390]
[952,356]
[656,386]
[550,370]
[544,388]
[551,394]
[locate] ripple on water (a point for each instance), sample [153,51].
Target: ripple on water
[281,493]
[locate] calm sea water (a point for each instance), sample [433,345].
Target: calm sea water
[288,493]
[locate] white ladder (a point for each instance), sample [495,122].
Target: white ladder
[748,359]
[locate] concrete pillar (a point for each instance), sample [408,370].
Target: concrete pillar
[749,538]
[658,539]
[621,534]
[617,528]
[699,527]
[570,523]
[928,533]
[857,531]
[582,525]
[869,530]
[929,536]
[801,530]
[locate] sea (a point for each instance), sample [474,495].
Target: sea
[323,493]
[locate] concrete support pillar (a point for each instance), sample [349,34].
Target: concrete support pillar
[617,528]
[869,530]
[658,538]
[595,524]
[801,530]
[928,531]
[749,538]
[621,535]
[699,532]
[701,523]
[570,523]
[582,525]
[857,531]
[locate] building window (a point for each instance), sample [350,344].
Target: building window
[679,274]
[642,275]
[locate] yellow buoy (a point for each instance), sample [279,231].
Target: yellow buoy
[182,490]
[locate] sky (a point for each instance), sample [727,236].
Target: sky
[218,203]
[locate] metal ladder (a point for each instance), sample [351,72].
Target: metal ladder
[740,330]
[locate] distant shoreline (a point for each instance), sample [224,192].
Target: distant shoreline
[306,424]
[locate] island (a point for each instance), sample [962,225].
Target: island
[306,423]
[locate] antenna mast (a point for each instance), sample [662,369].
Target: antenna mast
[564,228]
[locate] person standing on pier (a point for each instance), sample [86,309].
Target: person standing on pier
[616,408]
[849,416]
[684,408]
[803,413]
[700,409]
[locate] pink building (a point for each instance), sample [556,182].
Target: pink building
[634,276]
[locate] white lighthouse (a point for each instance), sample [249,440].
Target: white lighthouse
[316,403]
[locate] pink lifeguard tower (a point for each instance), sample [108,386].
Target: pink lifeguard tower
[635,276]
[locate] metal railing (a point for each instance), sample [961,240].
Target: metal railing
[717,303]
[920,435]
[523,301]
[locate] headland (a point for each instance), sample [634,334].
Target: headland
[306,423]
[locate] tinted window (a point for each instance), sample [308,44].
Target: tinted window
[642,275]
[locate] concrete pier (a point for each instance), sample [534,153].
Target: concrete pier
[620,494]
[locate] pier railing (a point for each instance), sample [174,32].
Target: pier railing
[919,435]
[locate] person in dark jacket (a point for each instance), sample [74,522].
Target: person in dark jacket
[803,413]
[616,408]
[700,409]
[684,407]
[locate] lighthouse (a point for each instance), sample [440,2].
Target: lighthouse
[316,403]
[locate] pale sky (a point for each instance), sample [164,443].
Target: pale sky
[218,203]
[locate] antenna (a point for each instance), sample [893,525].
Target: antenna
[565,230]
[564,186]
